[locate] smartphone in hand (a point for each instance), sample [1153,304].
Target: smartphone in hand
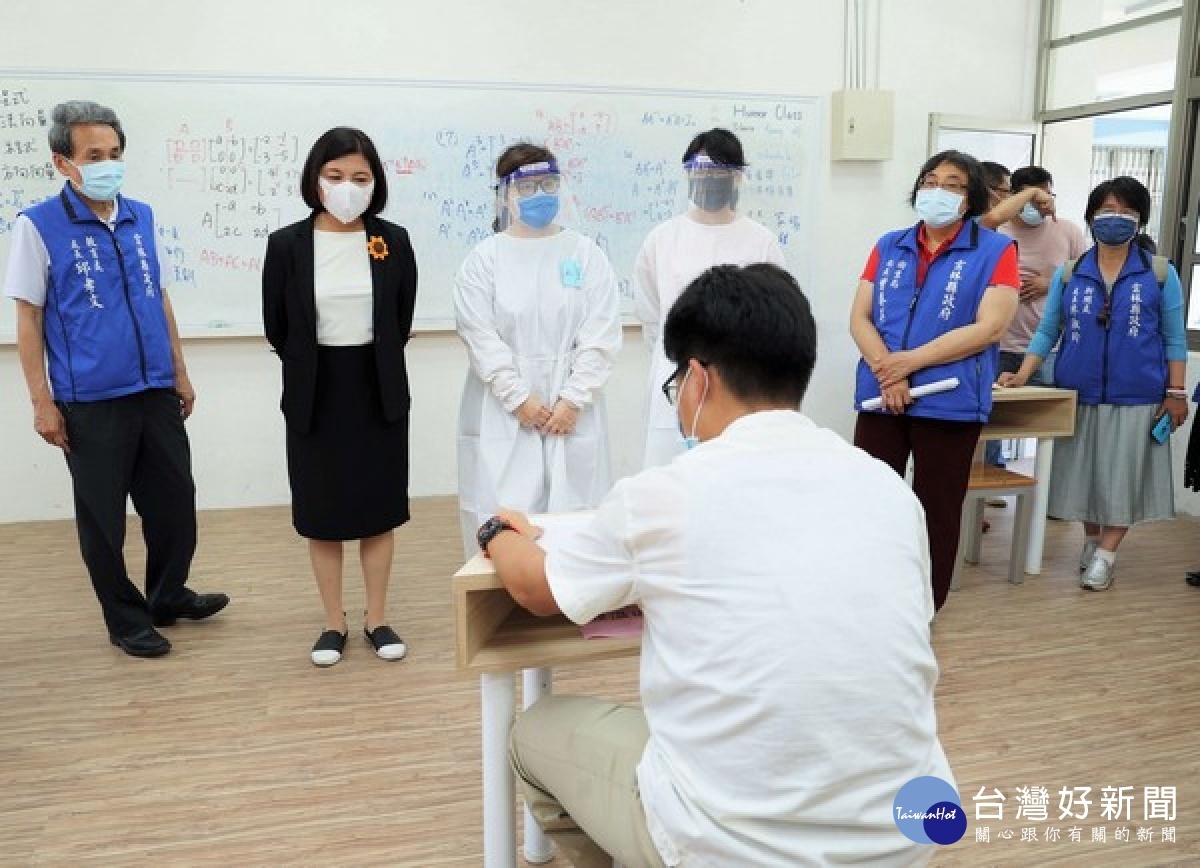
[1162,428]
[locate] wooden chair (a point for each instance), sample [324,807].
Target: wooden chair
[987,482]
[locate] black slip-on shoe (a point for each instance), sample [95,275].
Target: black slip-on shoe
[328,648]
[387,645]
[144,643]
[198,608]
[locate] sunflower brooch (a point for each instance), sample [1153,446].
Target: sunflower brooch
[377,247]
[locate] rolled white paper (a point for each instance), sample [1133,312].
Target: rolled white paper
[917,392]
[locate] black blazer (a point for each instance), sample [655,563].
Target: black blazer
[290,315]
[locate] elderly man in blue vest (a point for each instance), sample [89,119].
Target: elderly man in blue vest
[100,352]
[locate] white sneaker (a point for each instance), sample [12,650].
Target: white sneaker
[1085,557]
[1099,576]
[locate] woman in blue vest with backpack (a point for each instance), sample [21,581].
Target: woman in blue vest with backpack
[1119,312]
[932,303]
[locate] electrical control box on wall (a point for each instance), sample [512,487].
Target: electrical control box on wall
[862,123]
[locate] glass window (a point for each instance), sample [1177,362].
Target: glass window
[1193,321]
[1082,153]
[1080,16]
[1129,63]
[1009,149]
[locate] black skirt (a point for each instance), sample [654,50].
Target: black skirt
[349,474]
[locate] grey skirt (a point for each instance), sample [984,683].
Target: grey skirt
[1112,472]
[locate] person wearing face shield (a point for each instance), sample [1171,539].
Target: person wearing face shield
[339,290]
[536,308]
[1118,311]
[709,232]
[100,351]
[932,304]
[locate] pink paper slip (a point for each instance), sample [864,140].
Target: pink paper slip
[621,624]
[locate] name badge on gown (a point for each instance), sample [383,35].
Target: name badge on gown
[571,273]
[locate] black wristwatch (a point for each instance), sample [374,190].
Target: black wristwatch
[491,529]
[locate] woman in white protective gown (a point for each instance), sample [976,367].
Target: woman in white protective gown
[676,252]
[536,307]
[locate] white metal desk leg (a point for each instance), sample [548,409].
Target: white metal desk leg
[536,683]
[498,699]
[1041,499]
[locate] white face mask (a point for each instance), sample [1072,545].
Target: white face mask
[346,200]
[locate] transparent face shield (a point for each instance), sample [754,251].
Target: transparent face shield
[532,198]
[713,189]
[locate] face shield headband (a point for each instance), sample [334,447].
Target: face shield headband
[704,161]
[532,170]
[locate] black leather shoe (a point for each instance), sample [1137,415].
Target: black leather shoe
[144,643]
[198,608]
[1193,578]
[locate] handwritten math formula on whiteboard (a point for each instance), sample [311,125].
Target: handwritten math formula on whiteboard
[219,160]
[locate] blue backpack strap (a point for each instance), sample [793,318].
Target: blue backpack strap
[1161,266]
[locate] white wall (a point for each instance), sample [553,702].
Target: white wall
[965,57]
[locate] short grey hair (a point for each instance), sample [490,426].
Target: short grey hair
[79,111]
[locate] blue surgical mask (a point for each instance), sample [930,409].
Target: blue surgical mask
[1030,215]
[101,182]
[538,210]
[1114,229]
[938,207]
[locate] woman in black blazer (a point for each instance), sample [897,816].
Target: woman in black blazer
[339,290]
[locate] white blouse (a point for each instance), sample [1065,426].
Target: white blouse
[342,282]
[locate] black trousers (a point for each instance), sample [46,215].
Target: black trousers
[136,447]
[942,452]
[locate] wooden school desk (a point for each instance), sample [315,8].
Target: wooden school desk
[1042,413]
[495,637]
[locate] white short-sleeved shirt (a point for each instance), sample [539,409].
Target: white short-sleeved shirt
[342,289]
[786,670]
[28,274]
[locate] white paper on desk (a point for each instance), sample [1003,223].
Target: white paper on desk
[917,392]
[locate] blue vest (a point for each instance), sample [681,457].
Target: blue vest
[105,325]
[1124,363]
[907,316]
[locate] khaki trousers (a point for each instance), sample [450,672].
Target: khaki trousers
[575,759]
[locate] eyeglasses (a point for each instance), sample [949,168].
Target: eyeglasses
[530,186]
[670,388]
[931,182]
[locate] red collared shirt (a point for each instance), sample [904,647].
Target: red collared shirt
[1005,273]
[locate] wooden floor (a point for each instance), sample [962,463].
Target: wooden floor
[235,751]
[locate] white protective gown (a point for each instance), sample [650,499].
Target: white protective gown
[673,255]
[538,316]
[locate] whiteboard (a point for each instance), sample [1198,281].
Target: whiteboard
[219,160]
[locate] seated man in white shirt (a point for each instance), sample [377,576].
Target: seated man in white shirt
[787,675]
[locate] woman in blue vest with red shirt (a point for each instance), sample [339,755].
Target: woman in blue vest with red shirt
[932,304]
[1124,351]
